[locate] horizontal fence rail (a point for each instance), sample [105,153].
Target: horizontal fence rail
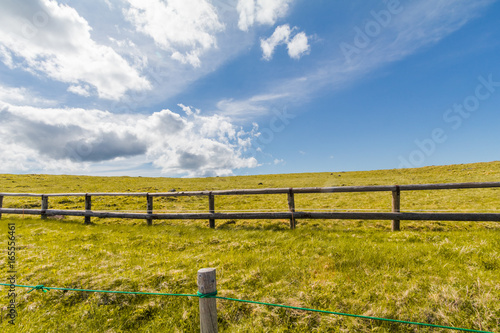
[264,215]
[373,188]
[396,215]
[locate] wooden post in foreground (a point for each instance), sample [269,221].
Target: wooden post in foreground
[1,205]
[149,208]
[396,201]
[291,207]
[88,207]
[211,209]
[207,284]
[45,206]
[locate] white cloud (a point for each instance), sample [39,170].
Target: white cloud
[22,96]
[185,28]
[55,40]
[141,60]
[297,47]
[264,12]
[245,109]
[6,57]
[129,49]
[72,140]
[188,109]
[280,36]
[82,90]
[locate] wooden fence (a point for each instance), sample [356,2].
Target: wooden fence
[396,215]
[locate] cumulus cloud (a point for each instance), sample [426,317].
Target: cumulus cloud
[53,39]
[72,140]
[297,47]
[197,145]
[279,36]
[264,12]
[185,28]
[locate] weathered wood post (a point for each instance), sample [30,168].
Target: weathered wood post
[149,208]
[396,201]
[207,284]
[211,209]
[1,205]
[88,207]
[45,206]
[291,207]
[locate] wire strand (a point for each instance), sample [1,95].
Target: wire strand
[214,295]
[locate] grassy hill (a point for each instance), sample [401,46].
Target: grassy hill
[444,273]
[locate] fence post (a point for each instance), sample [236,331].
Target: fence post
[88,207]
[211,209]
[45,206]
[149,208]
[207,283]
[1,205]
[291,207]
[396,201]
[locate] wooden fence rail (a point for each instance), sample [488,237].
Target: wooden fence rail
[396,215]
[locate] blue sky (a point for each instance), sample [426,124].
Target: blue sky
[234,87]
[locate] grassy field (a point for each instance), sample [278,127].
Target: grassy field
[445,273]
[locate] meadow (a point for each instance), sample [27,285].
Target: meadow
[445,273]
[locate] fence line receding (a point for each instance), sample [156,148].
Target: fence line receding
[290,214]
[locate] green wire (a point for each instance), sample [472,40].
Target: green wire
[351,315]
[214,295]
[44,289]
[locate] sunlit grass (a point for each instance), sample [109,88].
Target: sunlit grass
[440,277]
[444,273]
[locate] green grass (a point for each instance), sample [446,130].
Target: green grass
[445,273]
